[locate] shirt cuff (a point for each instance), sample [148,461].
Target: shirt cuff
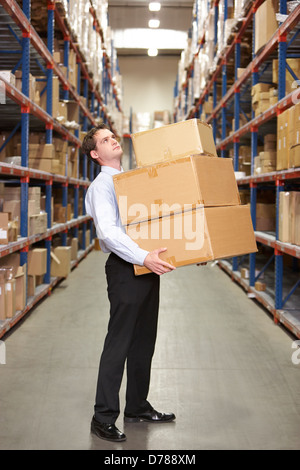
[140,256]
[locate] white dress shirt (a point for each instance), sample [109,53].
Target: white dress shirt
[101,204]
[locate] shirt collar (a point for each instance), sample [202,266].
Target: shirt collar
[110,171]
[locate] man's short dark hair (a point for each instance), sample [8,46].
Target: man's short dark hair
[89,141]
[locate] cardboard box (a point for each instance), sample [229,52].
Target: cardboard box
[165,143]
[37,261]
[2,301]
[295,217]
[260,286]
[10,298]
[265,23]
[31,284]
[283,141]
[20,279]
[296,234]
[3,228]
[160,189]
[37,223]
[61,261]
[8,230]
[74,248]
[60,214]
[38,151]
[2,294]
[32,84]
[46,164]
[12,260]
[197,236]
[284,232]
[40,86]
[12,207]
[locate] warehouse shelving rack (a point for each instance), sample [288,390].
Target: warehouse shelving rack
[24,114]
[237,96]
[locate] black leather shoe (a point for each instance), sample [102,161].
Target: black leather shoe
[107,431]
[151,416]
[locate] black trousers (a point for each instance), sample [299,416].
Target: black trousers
[131,336]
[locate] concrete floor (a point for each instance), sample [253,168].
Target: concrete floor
[221,365]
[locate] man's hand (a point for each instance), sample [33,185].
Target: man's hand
[157,265]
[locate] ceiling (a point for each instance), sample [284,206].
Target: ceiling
[132,36]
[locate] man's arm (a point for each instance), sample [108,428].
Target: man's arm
[101,206]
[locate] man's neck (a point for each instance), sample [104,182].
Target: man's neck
[115,165]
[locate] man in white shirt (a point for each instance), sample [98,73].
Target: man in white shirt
[134,300]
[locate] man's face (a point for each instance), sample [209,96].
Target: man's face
[107,148]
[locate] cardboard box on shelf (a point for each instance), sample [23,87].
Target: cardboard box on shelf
[32,83]
[294,64]
[2,295]
[245,273]
[153,191]
[37,262]
[283,141]
[265,23]
[40,86]
[295,156]
[46,164]
[12,260]
[36,151]
[74,248]
[10,298]
[196,236]
[295,217]
[265,217]
[172,141]
[288,216]
[37,223]
[87,238]
[13,207]
[72,111]
[20,279]
[8,231]
[31,284]
[60,214]
[61,261]
[12,193]
[260,286]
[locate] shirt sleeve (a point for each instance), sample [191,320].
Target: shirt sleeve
[102,207]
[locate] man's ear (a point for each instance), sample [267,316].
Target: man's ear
[94,154]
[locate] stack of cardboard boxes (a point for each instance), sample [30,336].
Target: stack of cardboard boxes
[288,140]
[59,157]
[13,276]
[265,161]
[264,96]
[37,218]
[183,197]
[12,286]
[260,98]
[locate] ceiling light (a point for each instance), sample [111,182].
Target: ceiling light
[154,6]
[153,23]
[152,52]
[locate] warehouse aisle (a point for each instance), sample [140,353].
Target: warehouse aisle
[221,365]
